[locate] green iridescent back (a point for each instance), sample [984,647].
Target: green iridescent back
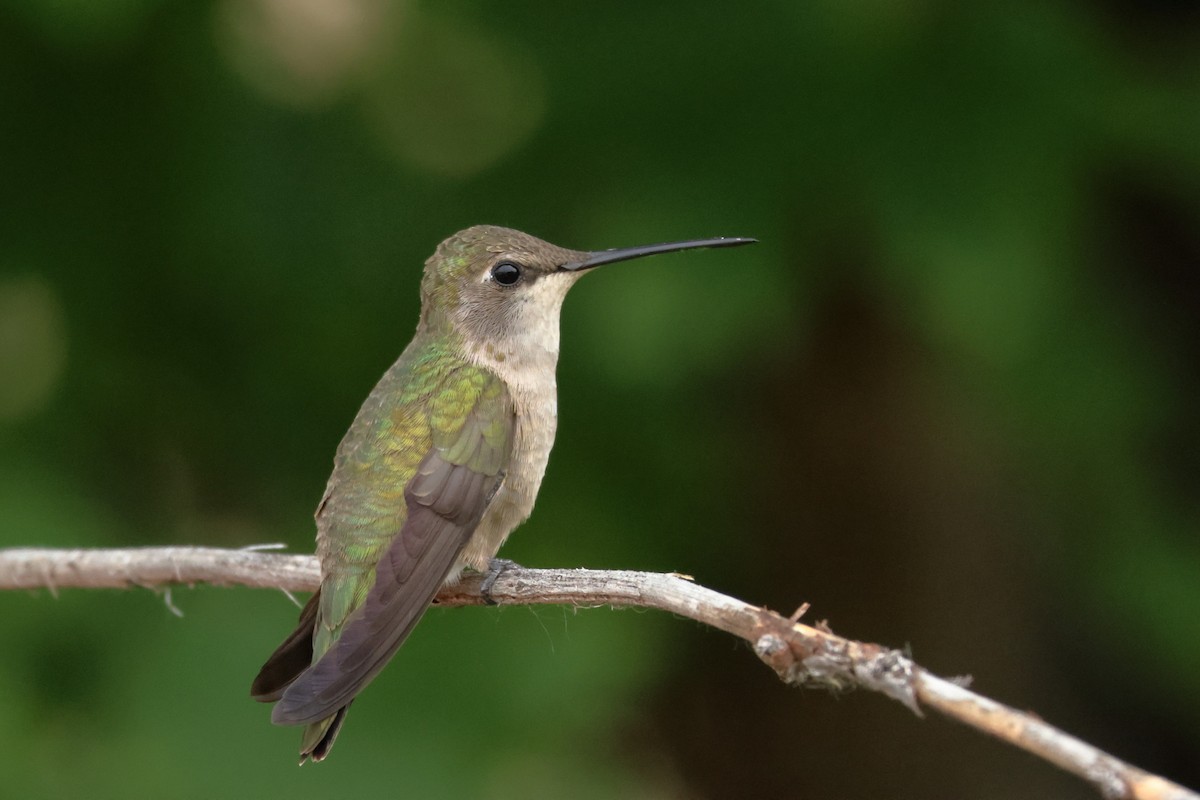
[423,402]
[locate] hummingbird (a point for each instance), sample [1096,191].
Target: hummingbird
[442,462]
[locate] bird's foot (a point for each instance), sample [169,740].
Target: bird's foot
[495,567]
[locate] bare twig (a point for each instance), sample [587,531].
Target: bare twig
[799,654]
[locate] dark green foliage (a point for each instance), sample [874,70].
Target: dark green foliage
[950,398]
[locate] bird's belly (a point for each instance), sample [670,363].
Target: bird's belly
[532,440]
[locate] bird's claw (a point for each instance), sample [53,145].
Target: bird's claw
[495,567]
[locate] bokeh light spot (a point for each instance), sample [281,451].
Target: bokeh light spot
[454,101]
[300,53]
[33,345]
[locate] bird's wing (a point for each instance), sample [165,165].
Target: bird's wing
[469,418]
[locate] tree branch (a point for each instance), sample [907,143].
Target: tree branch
[801,655]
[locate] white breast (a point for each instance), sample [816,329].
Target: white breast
[537,417]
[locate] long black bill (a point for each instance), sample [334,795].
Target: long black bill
[599,257]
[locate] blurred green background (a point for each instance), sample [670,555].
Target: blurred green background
[950,399]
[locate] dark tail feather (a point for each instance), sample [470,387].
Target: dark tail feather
[289,659]
[318,737]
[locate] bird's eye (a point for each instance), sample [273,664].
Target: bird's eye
[506,273]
